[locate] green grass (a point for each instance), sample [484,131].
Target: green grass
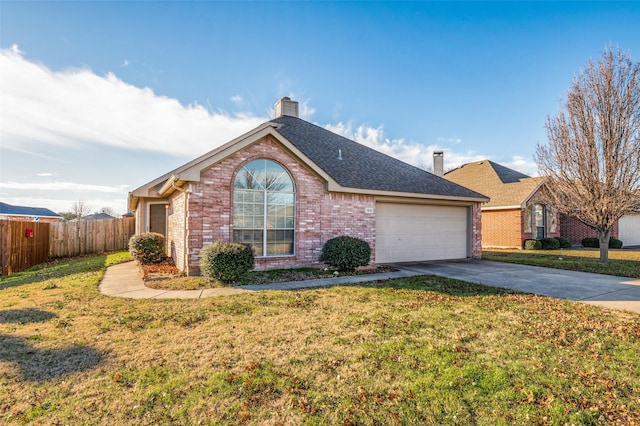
[421,350]
[623,263]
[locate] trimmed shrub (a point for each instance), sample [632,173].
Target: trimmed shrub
[550,244]
[148,247]
[227,262]
[532,245]
[564,242]
[590,242]
[346,253]
[615,243]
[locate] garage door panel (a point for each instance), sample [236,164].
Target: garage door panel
[629,229]
[406,232]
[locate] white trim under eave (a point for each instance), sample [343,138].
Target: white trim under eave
[502,208]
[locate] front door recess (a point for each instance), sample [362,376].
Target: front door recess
[158,218]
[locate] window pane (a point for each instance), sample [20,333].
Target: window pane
[279,242]
[264,186]
[251,237]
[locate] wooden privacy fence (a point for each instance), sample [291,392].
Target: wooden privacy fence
[22,244]
[76,238]
[59,239]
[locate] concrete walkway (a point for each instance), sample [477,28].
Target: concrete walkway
[124,280]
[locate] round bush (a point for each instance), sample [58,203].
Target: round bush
[564,242]
[346,253]
[227,262]
[532,245]
[148,247]
[615,243]
[550,244]
[590,242]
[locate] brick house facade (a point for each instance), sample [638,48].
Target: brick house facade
[28,214]
[518,209]
[330,199]
[576,231]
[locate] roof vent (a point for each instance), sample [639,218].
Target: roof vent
[286,106]
[438,163]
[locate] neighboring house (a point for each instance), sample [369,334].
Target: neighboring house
[629,229]
[288,186]
[517,209]
[98,216]
[27,214]
[576,231]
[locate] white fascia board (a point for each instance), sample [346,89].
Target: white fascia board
[502,208]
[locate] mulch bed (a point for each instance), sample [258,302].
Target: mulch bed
[166,268]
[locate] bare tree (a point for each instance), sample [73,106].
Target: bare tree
[107,210]
[80,209]
[592,158]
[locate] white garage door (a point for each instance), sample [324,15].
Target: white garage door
[629,230]
[408,232]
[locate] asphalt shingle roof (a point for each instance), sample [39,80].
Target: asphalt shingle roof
[504,186]
[362,167]
[9,210]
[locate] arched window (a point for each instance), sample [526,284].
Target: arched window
[263,208]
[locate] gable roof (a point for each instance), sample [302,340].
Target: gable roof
[98,216]
[9,210]
[354,165]
[506,188]
[361,169]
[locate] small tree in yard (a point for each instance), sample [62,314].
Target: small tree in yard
[592,159]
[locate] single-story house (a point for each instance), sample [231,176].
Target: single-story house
[28,214]
[288,186]
[518,208]
[576,231]
[98,216]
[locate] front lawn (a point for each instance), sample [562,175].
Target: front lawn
[622,263]
[421,350]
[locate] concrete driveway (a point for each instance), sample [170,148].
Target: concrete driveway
[604,290]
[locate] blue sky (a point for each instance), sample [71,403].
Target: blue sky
[98,98]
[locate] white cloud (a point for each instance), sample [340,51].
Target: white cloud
[418,154]
[528,167]
[449,141]
[63,186]
[237,99]
[44,174]
[75,107]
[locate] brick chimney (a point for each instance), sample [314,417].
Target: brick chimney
[438,163]
[286,106]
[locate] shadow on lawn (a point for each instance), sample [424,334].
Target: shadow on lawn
[37,364]
[55,268]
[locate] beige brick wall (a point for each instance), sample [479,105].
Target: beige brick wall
[502,228]
[175,231]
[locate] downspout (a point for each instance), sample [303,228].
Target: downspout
[184,233]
